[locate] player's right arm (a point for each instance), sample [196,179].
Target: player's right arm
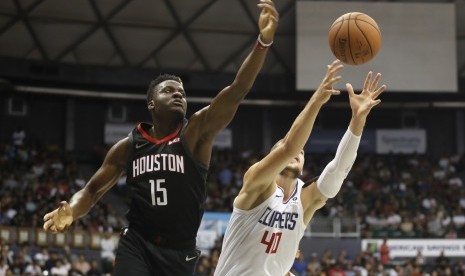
[81,202]
[259,179]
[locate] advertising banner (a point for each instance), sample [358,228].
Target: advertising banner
[410,247]
[400,141]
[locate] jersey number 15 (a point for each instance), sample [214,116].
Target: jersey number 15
[159,196]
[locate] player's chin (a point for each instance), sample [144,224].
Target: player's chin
[292,170]
[179,112]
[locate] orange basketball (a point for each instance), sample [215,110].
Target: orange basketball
[355,38]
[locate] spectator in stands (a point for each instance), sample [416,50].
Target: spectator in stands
[384,256]
[300,265]
[336,270]
[42,256]
[60,268]
[83,265]
[407,226]
[420,259]
[74,270]
[451,233]
[4,267]
[203,267]
[314,266]
[94,269]
[18,136]
[442,261]
[107,254]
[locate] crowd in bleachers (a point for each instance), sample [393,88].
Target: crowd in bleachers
[393,196]
[29,261]
[35,179]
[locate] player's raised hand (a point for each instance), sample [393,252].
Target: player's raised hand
[362,103]
[59,219]
[326,90]
[268,20]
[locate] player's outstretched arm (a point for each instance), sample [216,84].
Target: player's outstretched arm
[81,202]
[362,103]
[258,180]
[330,181]
[221,111]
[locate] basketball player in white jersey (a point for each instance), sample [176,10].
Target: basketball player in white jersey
[273,209]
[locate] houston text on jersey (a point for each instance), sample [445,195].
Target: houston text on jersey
[158,162]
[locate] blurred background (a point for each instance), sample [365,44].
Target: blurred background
[73,80]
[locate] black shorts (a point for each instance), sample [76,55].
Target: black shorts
[137,256]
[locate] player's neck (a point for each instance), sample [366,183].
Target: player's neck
[160,131]
[287,184]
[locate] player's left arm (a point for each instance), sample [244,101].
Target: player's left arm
[330,181]
[215,117]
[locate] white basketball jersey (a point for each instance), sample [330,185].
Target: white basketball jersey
[265,239]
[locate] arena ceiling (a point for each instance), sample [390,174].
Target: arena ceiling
[211,36]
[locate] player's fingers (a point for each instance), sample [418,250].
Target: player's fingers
[47,216]
[335,92]
[48,224]
[336,66]
[367,81]
[269,2]
[350,89]
[378,91]
[330,72]
[375,102]
[61,229]
[375,82]
[274,19]
[61,210]
[53,229]
[333,69]
[267,8]
[334,80]
[335,62]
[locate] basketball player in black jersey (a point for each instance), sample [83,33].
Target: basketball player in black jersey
[166,165]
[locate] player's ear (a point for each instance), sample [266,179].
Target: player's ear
[151,105]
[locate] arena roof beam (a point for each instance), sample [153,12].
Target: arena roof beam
[94,28]
[24,17]
[19,15]
[104,24]
[187,35]
[176,33]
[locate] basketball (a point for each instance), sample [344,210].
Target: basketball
[355,38]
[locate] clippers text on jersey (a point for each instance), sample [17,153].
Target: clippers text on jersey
[276,219]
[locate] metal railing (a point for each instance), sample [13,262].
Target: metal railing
[344,227]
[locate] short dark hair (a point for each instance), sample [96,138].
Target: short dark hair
[161,78]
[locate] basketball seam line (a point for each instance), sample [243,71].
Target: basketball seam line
[374,26]
[368,42]
[348,38]
[335,36]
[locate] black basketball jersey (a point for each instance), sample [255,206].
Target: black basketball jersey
[168,187]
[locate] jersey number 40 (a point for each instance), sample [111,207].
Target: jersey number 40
[273,243]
